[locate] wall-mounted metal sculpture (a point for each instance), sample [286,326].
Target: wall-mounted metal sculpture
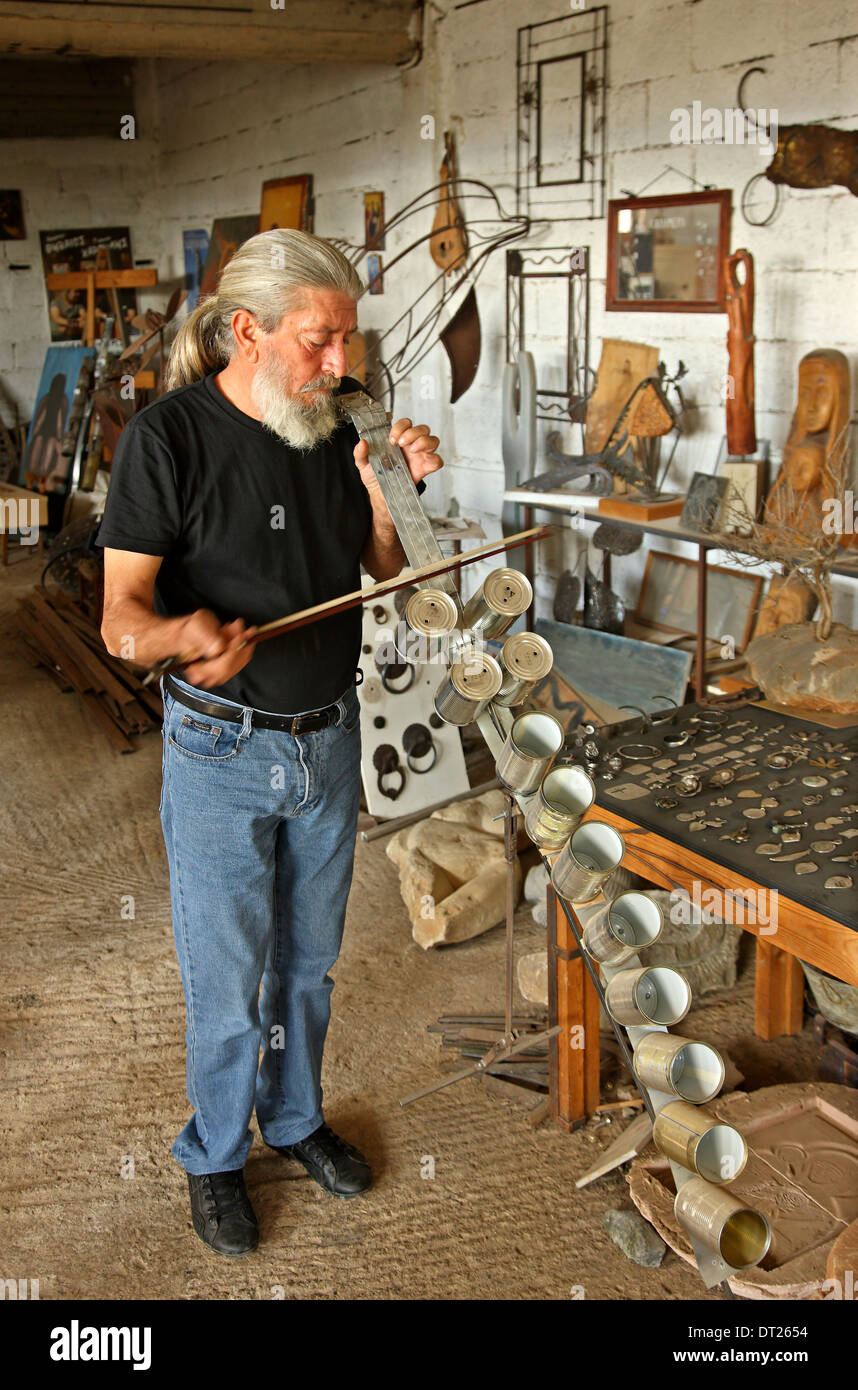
[815,156]
[397,351]
[561,84]
[811,155]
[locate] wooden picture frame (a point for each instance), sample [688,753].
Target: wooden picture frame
[373,221]
[668,599]
[673,262]
[743,498]
[287,202]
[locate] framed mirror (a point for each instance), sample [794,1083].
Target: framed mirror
[666,255]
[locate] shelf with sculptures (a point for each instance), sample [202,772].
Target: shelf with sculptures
[807,527]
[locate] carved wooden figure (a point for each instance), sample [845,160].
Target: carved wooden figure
[810,472]
[741,430]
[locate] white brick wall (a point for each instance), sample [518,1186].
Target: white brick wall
[209,134]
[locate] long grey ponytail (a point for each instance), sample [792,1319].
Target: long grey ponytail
[267,276]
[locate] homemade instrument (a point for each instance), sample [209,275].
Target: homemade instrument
[359,596]
[448,244]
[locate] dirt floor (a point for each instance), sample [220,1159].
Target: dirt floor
[92,1071]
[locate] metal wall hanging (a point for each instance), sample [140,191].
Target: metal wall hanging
[462,341]
[531,277]
[485,225]
[561,83]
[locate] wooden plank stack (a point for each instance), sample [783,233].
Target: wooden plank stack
[57,634]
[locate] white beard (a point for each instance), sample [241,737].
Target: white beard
[300,423]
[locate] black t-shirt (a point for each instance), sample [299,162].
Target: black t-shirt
[249,528]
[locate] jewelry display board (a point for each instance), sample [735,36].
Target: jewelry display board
[777,798]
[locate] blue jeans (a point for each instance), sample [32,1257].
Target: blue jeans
[260,833]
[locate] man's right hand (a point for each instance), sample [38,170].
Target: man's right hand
[132,630]
[218,648]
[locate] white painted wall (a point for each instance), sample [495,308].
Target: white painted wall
[209,134]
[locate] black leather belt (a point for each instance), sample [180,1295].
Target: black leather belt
[287,723]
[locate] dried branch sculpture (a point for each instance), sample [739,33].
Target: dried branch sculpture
[784,537]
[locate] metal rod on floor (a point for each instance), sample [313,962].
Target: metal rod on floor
[389,826]
[511,854]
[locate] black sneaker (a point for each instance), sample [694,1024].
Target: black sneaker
[222,1214]
[336,1166]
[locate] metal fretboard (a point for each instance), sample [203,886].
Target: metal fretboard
[397,487]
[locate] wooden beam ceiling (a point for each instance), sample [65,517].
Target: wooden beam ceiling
[294,31]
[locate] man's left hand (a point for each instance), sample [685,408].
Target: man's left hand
[417,444]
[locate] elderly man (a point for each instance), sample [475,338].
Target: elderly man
[239,497]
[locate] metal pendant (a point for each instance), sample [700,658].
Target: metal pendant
[689,784]
[722,778]
[737,836]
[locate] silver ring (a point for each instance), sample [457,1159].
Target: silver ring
[638,752]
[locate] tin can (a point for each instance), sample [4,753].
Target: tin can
[431,612]
[594,851]
[467,689]
[565,796]
[697,1141]
[533,740]
[648,994]
[502,597]
[693,1071]
[632,921]
[525,659]
[720,1222]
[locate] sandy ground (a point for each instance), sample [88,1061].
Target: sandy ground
[92,1071]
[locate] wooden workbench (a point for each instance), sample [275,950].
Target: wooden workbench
[778,1001]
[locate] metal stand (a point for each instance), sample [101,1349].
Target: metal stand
[513,1039]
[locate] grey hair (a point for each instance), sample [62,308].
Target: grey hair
[268,276]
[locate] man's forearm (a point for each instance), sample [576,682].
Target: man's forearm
[383,556]
[132,630]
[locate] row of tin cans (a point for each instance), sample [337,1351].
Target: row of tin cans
[477,678]
[688,1071]
[501,598]
[587,853]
